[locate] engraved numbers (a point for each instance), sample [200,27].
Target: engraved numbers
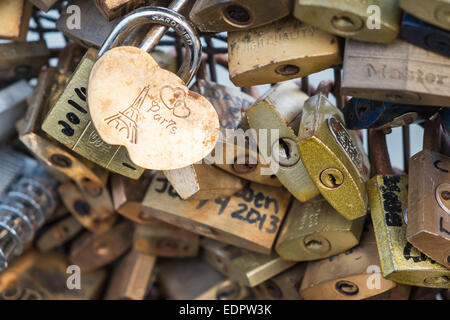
[72,118]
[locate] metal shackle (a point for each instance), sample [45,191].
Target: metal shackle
[166,17]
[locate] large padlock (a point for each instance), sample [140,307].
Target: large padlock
[249,219]
[315,230]
[274,119]
[432,11]
[360,113]
[255,58]
[333,157]
[425,35]
[230,15]
[399,260]
[15,16]
[428,213]
[368,20]
[399,72]
[352,275]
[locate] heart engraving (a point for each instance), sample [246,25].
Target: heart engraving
[135,103]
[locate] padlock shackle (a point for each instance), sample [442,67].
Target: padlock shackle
[379,154]
[168,18]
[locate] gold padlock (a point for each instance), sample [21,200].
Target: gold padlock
[275,113]
[367,20]
[388,195]
[399,72]
[255,58]
[248,268]
[58,233]
[249,219]
[230,15]
[15,16]
[44,5]
[314,230]
[352,275]
[112,9]
[333,157]
[432,11]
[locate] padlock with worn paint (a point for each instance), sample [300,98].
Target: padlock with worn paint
[284,286]
[43,276]
[431,11]
[44,5]
[131,277]
[58,233]
[428,213]
[22,59]
[360,113]
[399,260]
[231,15]
[275,118]
[248,268]
[315,230]
[249,219]
[398,72]
[425,35]
[112,9]
[165,240]
[92,251]
[333,157]
[14,17]
[368,20]
[255,56]
[352,275]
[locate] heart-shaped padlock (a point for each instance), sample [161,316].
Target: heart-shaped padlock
[135,103]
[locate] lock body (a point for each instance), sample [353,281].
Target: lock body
[333,157]
[360,113]
[14,16]
[352,18]
[315,230]
[225,290]
[249,219]
[58,233]
[400,261]
[255,58]
[425,35]
[399,72]
[433,11]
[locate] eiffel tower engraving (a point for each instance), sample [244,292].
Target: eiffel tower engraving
[126,120]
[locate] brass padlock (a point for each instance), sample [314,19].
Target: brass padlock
[225,290]
[352,275]
[230,15]
[315,230]
[399,72]
[255,56]
[44,5]
[131,277]
[432,11]
[276,113]
[58,233]
[284,286]
[165,240]
[333,157]
[15,16]
[428,213]
[249,219]
[112,9]
[92,251]
[22,59]
[248,268]
[367,20]
[43,276]
[399,260]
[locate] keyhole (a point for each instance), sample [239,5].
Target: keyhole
[236,15]
[274,290]
[287,151]
[314,245]
[331,178]
[347,288]
[284,150]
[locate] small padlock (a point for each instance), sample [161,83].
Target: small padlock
[352,275]
[314,230]
[247,268]
[112,9]
[333,157]
[14,17]
[360,113]
[399,260]
[428,213]
[255,56]
[425,35]
[44,5]
[432,11]
[58,233]
[249,219]
[225,290]
[368,20]
[231,15]
[398,72]
[165,240]
[275,113]
[131,277]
